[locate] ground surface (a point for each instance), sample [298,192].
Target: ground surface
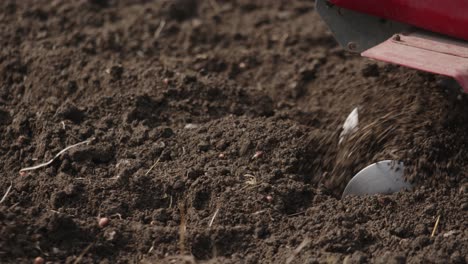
[214,128]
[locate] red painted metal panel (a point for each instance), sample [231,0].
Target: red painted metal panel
[425,52]
[449,17]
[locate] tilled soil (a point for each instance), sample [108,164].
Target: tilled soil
[213,131]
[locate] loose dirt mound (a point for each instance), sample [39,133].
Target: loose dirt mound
[214,129]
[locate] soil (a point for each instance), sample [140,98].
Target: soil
[214,129]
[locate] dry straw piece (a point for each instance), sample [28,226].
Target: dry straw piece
[56,156]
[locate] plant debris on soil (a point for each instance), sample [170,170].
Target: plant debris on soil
[216,129]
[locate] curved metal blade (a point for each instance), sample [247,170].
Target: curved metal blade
[382,177]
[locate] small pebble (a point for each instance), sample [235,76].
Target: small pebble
[191,126]
[39,260]
[110,235]
[258,154]
[103,222]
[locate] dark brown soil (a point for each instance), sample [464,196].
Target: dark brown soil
[215,129]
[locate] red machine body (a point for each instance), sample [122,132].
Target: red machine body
[449,17]
[435,38]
